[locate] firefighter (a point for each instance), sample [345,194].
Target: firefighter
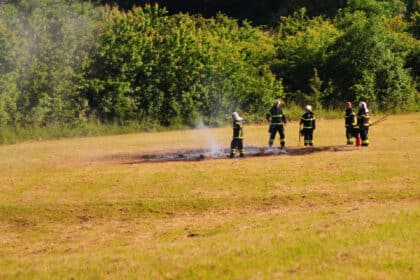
[350,123]
[237,140]
[363,123]
[277,121]
[307,125]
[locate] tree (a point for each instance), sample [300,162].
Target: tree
[176,69]
[363,64]
[50,43]
[302,45]
[8,73]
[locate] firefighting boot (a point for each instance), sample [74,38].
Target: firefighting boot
[232,153]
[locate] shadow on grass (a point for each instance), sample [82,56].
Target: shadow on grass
[206,154]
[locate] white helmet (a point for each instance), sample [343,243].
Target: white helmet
[308,108]
[363,106]
[236,117]
[277,102]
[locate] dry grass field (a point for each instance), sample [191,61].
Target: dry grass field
[74,208]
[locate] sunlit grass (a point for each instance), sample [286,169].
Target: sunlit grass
[68,208]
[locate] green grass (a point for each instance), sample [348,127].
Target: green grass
[13,135]
[70,208]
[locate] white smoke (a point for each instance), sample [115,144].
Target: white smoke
[211,142]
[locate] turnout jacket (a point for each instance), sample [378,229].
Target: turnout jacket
[276,115]
[363,119]
[350,118]
[308,120]
[237,130]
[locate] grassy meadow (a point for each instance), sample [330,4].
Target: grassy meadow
[72,209]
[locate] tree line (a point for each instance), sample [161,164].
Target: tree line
[76,61]
[263,12]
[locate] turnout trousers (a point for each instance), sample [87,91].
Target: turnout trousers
[308,136]
[350,134]
[364,135]
[274,128]
[237,144]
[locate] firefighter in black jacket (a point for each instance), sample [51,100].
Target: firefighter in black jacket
[237,140]
[350,123]
[363,123]
[277,121]
[308,122]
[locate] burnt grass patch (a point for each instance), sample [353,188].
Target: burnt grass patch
[207,154]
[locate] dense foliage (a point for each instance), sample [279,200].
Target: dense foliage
[263,12]
[43,47]
[174,70]
[70,62]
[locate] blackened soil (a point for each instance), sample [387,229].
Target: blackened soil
[206,154]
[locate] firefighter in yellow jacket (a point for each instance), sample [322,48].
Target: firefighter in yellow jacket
[363,123]
[307,124]
[237,140]
[277,121]
[350,122]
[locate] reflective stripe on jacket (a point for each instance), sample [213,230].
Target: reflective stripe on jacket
[237,130]
[350,118]
[276,115]
[308,120]
[363,119]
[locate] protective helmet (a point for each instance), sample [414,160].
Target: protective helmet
[363,106]
[308,108]
[236,117]
[277,102]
